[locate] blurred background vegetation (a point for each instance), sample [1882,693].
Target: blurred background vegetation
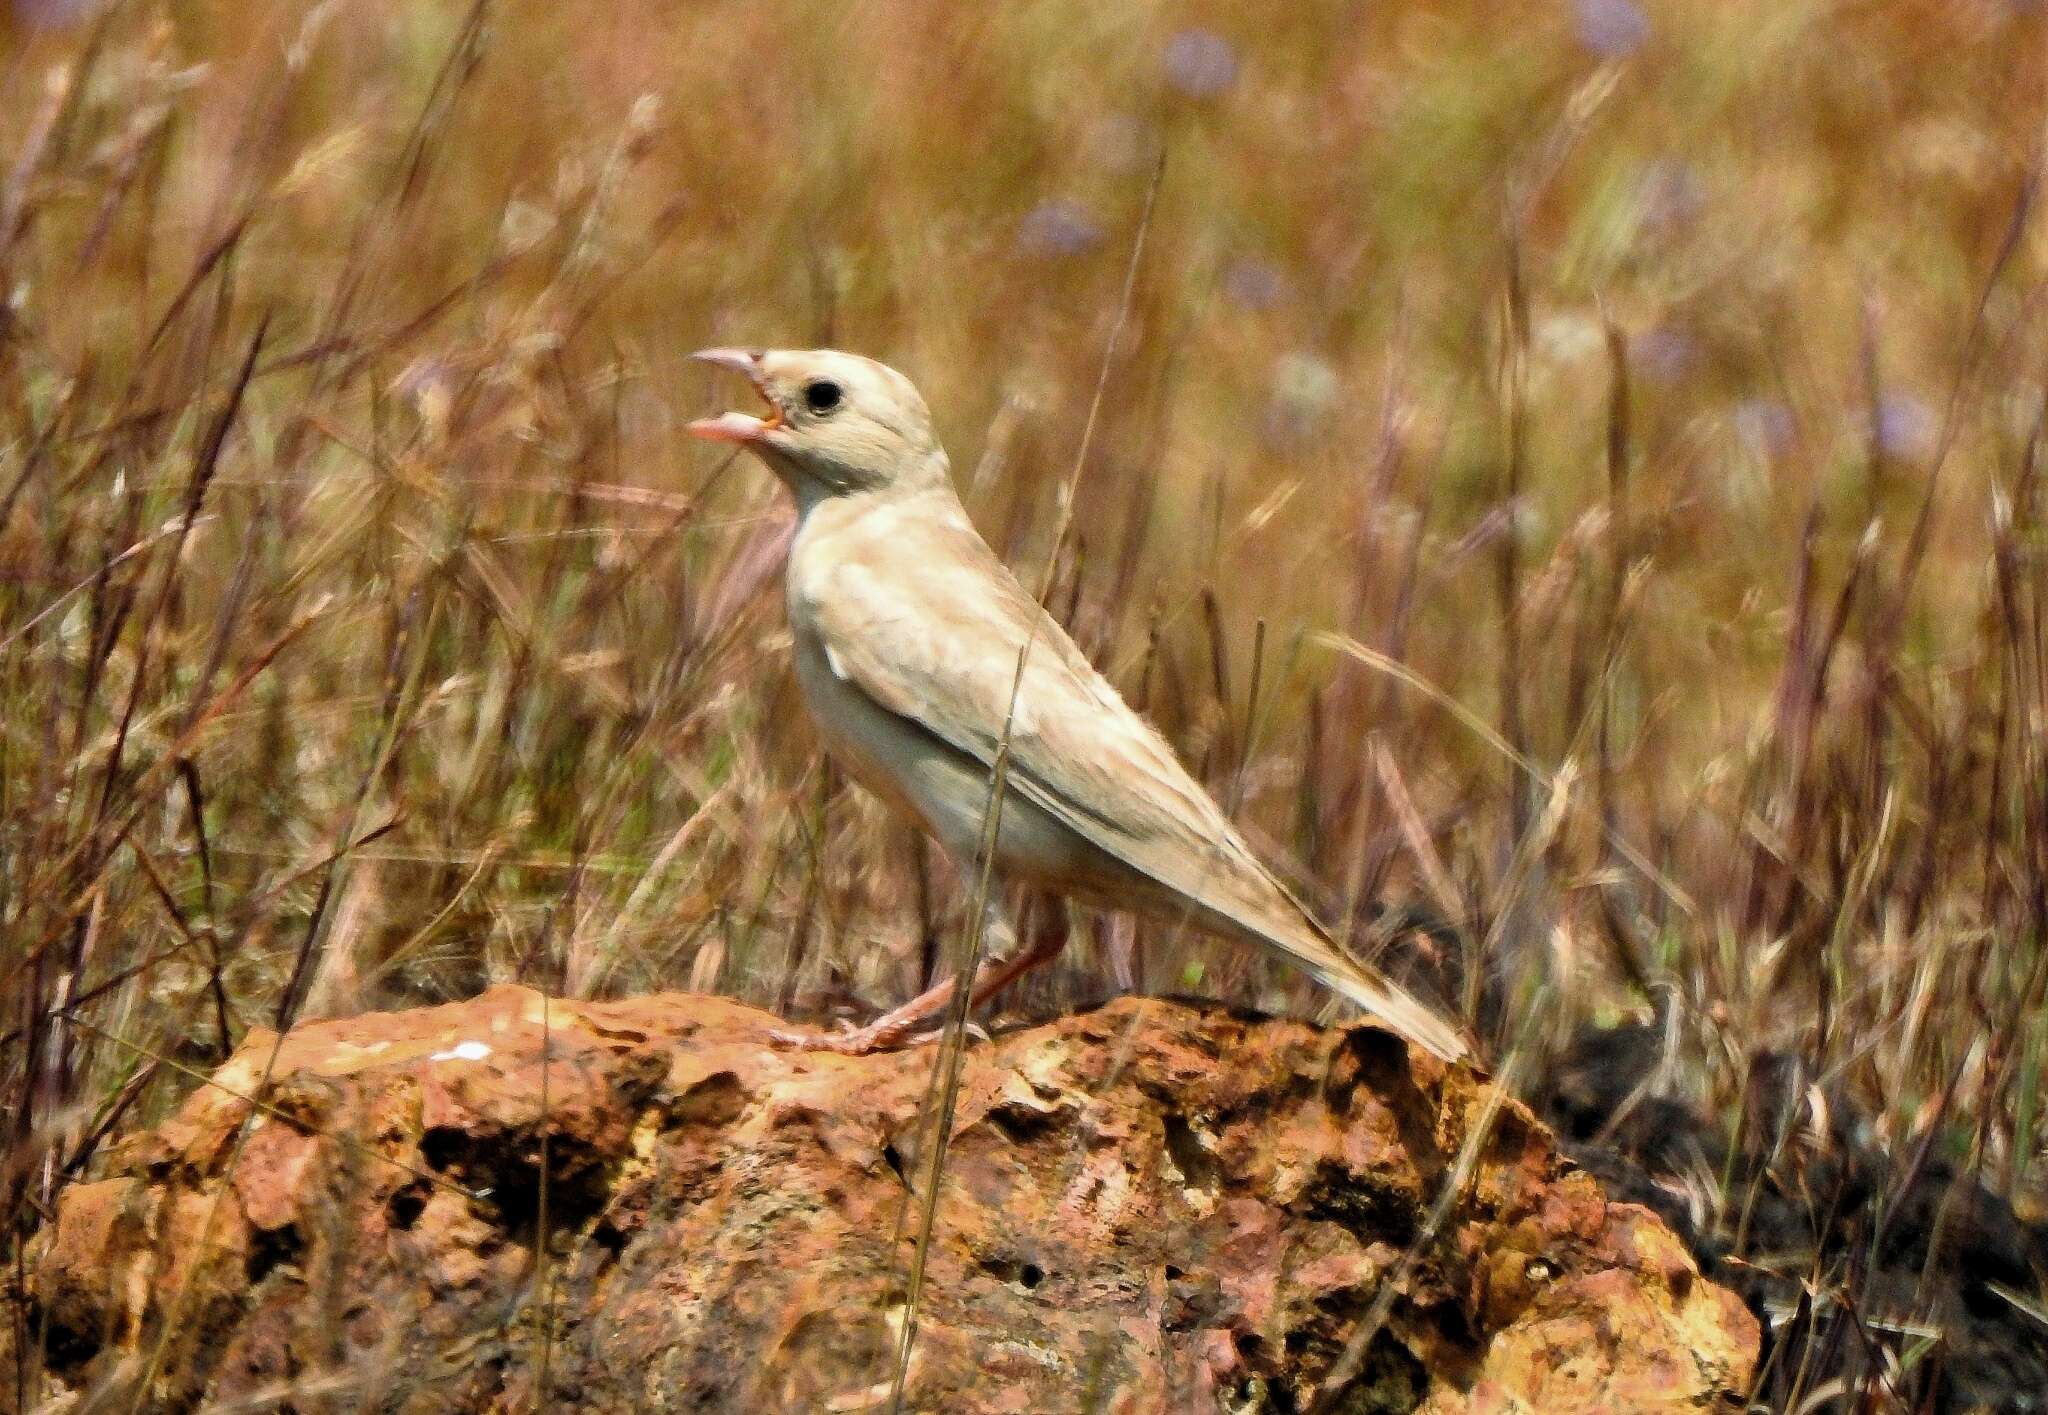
[1571,468]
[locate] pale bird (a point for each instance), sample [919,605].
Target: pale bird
[907,630]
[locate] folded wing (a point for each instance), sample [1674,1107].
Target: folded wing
[955,619]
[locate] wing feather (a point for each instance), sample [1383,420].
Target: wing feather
[953,619]
[953,630]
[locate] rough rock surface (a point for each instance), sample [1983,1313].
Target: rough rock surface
[1149,1207]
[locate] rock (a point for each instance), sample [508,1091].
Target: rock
[1153,1206]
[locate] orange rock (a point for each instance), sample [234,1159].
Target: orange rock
[1148,1207]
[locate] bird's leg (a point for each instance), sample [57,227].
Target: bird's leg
[1048,935]
[893,1029]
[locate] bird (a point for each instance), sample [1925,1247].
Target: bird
[906,632]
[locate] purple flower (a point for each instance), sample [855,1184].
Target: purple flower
[1905,426]
[1613,29]
[52,13]
[1255,284]
[1057,228]
[1663,354]
[1670,192]
[1200,63]
[1764,426]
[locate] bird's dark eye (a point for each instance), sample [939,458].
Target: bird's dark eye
[821,395]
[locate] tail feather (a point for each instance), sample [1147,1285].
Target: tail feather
[1239,897]
[1398,1009]
[1385,1000]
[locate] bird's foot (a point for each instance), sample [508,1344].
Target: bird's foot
[847,1041]
[882,1034]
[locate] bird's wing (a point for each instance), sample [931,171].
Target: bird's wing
[933,635]
[928,622]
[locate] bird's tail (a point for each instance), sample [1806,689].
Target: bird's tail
[1387,1002]
[1261,909]
[1311,950]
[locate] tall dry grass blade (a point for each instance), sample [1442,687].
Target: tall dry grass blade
[1485,732]
[401,701]
[952,1041]
[544,1269]
[1458,1177]
[1511,390]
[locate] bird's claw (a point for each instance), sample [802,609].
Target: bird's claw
[862,1041]
[848,1041]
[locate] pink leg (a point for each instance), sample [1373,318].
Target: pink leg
[892,1029]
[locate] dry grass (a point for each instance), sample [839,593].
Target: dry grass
[1661,428]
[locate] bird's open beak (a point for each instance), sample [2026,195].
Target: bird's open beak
[742,428]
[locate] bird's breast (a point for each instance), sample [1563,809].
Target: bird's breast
[873,746]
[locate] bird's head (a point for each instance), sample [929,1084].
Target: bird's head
[836,423]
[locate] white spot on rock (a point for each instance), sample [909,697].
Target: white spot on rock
[462,1051]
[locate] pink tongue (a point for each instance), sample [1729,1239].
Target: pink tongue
[728,427]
